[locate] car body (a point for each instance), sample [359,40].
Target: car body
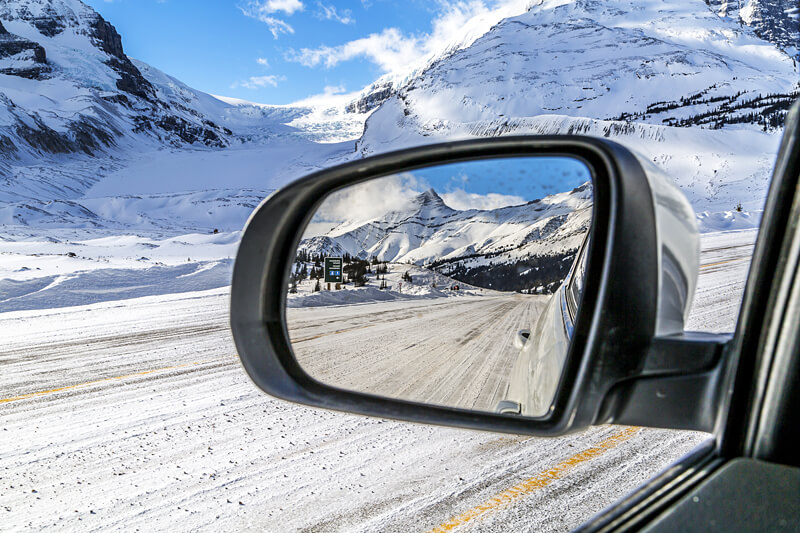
[543,349]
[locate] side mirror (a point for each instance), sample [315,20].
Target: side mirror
[516,284]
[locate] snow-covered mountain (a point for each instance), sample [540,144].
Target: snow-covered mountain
[510,248]
[691,85]
[774,21]
[700,94]
[69,87]
[75,109]
[658,62]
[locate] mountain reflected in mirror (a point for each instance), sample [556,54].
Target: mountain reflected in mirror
[426,285]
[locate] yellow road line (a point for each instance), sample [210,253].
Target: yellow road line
[542,480]
[723,262]
[104,380]
[146,372]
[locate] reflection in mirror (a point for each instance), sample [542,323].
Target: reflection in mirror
[455,285]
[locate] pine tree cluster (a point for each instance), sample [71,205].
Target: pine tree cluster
[769,111]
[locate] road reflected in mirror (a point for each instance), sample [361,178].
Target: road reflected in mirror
[455,285]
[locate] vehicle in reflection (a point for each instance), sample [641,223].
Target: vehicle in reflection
[542,352]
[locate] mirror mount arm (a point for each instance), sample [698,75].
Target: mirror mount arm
[687,352]
[677,388]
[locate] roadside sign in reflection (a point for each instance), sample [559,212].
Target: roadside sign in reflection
[333,270]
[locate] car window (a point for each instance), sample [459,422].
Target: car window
[575,286]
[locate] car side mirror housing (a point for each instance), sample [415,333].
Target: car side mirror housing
[610,263]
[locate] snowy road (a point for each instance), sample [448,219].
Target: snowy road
[458,352]
[136,415]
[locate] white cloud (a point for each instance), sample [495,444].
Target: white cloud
[463,200]
[373,199]
[276,26]
[365,201]
[390,50]
[328,12]
[269,7]
[263,11]
[259,82]
[263,61]
[333,90]
[457,25]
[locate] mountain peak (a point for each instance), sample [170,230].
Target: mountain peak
[429,197]
[430,205]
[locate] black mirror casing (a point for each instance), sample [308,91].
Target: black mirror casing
[613,330]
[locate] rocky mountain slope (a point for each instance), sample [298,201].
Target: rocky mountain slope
[74,108]
[654,39]
[69,86]
[776,21]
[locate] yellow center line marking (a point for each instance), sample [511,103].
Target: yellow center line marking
[146,372]
[104,380]
[542,480]
[723,262]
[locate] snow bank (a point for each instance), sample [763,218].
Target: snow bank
[103,285]
[708,222]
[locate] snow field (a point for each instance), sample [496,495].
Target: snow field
[71,268]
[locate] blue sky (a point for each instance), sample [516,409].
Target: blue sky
[528,178]
[281,51]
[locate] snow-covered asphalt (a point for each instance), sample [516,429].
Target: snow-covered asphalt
[457,351]
[135,415]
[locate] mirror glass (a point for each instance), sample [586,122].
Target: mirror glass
[455,285]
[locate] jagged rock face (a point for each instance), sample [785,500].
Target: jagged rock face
[53,18]
[373,97]
[131,80]
[21,57]
[776,21]
[41,15]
